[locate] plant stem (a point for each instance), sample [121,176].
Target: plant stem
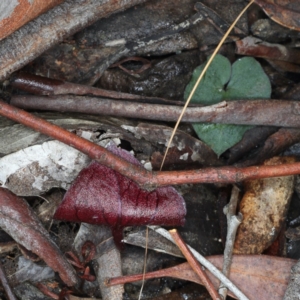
[40,85]
[194,264]
[8,291]
[138,174]
[205,263]
[201,76]
[241,112]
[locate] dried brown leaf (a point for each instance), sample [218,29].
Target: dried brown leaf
[258,276]
[286,13]
[19,221]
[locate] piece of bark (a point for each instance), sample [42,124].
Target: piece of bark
[31,40]
[67,56]
[19,221]
[264,207]
[15,14]
[107,261]
[150,29]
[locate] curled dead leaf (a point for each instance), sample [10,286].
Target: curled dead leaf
[100,195]
[21,223]
[264,207]
[286,13]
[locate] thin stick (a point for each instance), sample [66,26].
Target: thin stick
[145,263]
[138,174]
[240,112]
[201,76]
[194,264]
[8,291]
[233,223]
[208,265]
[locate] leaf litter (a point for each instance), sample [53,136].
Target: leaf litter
[35,189]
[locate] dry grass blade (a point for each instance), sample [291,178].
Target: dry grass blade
[201,76]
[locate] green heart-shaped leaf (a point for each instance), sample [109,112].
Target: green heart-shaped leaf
[245,79]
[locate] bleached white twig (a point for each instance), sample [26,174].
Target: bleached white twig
[235,290]
[233,222]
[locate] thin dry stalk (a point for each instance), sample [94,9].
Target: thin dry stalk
[8,291]
[201,76]
[233,223]
[203,261]
[194,264]
[240,112]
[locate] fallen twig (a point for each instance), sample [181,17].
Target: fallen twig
[194,264]
[275,144]
[8,291]
[256,47]
[39,85]
[233,222]
[281,113]
[205,263]
[138,174]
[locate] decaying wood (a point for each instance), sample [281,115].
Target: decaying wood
[241,112]
[31,40]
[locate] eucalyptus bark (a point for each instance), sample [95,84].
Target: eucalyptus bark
[54,26]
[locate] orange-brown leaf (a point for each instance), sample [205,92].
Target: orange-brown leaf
[258,276]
